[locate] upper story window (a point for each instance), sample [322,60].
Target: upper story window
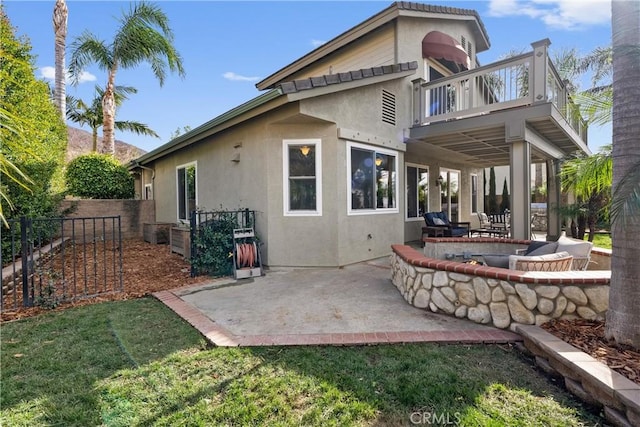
[417,181]
[186,179]
[372,179]
[302,177]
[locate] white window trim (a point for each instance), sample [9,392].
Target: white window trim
[471,191]
[145,191]
[285,177]
[184,166]
[377,211]
[406,184]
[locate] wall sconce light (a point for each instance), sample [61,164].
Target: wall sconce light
[378,161]
[439,181]
[305,149]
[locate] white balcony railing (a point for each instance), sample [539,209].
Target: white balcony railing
[522,80]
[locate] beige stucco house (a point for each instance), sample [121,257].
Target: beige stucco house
[341,153]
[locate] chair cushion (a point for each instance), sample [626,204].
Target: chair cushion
[501,261]
[544,249]
[438,221]
[577,248]
[429,217]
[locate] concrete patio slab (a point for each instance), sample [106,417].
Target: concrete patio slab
[356,304]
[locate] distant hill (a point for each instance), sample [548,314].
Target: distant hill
[80,143]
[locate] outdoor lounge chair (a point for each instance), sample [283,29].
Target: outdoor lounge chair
[438,224]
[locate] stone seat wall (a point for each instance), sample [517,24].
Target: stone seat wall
[497,296]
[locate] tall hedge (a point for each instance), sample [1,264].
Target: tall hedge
[99,176]
[36,140]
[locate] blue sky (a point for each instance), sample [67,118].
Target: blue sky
[228,46]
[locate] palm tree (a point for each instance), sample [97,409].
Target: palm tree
[623,316]
[91,114]
[60,14]
[589,178]
[143,36]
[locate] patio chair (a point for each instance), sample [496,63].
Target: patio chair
[438,224]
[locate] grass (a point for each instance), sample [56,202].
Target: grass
[600,240]
[135,363]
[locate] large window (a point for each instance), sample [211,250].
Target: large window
[186,179]
[417,191]
[302,177]
[372,179]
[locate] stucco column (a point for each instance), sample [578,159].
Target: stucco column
[539,70]
[520,163]
[554,219]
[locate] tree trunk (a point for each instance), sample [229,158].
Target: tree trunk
[109,115]
[94,139]
[623,316]
[60,14]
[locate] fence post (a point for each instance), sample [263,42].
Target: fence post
[192,242]
[24,249]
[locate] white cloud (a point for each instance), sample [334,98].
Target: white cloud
[49,73]
[230,75]
[317,43]
[557,14]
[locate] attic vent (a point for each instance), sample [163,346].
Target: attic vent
[463,42]
[388,107]
[469,50]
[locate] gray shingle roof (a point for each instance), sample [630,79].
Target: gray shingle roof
[332,79]
[430,8]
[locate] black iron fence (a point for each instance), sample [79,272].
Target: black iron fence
[46,261]
[212,240]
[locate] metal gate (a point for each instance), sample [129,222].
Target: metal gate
[46,261]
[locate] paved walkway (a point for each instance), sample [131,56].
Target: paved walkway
[356,304]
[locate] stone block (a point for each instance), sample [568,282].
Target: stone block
[457,277]
[461,312]
[427,280]
[421,300]
[497,295]
[571,307]
[465,294]
[527,295]
[576,388]
[543,364]
[549,292]
[586,313]
[575,294]
[519,313]
[440,279]
[500,314]
[482,290]
[508,288]
[616,417]
[479,314]
[598,298]
[441,301]
[561,304]
[545,306]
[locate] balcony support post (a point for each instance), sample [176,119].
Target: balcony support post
[419,95]
[554,219]
[540,71]
[520,177]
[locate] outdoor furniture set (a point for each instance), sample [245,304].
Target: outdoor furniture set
[563,255]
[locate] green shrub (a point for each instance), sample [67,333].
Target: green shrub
[99,176]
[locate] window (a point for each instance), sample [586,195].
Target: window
[186,180]
[148,192]
[417,177]
[474,193]
[302,160]
[372,179]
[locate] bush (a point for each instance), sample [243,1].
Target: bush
[99,176]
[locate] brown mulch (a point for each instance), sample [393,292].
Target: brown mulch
[147,268]
[150,268]
[588,336]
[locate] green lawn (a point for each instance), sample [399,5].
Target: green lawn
[135,363]
[601,240]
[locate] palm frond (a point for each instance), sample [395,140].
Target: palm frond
[87,49]
[626,197]
[135,127]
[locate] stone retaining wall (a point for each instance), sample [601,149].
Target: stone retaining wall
[496,296]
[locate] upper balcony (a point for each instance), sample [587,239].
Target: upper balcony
[516,85]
